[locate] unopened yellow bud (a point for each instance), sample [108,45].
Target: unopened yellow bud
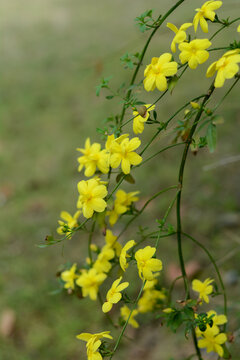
[94,247]
[168,310]
[195,105]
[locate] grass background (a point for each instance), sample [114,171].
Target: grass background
[54,53]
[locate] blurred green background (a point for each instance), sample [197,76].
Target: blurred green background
[54,53]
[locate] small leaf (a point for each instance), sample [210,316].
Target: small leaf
[129,179]
[139,103]
[172,83]
[211,137]
[55,292]
[119,176]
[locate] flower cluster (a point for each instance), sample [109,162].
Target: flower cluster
[209,335]
[108,257]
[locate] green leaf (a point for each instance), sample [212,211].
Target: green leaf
[211,137]
[129,179]
[104,84]
[155,115]
[188,312]
[126,60]
[119,176]
[172,83]
[55,292]
[139,102]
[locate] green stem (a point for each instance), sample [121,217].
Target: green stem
[126,322]
[165,218]
[171,288]
[144,207]
[223,27]
[178,207]
[154,237]
[196,344]
[81,225]
[161,20]
[159,152]
[115,188]
[180,181]
[220,48]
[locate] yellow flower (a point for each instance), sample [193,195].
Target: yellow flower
[90,281]
[92,350]
[89,337]
[206,12]
[216,319]
[194,52]
[94,247]
[203,288]
[125,312]
[226,67]
[100,182]
[149,300]
[140,117]
[111,140]
[93,157]
[124,153]
[156,72]
[180,34]
[111,242]
[121,204]
[150,284]
[212,341]
[114,294]
[123,256]
[69,220]
[91,197]
[68,276]
[146,264]
[102,264]
[238,28]
[93,343]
